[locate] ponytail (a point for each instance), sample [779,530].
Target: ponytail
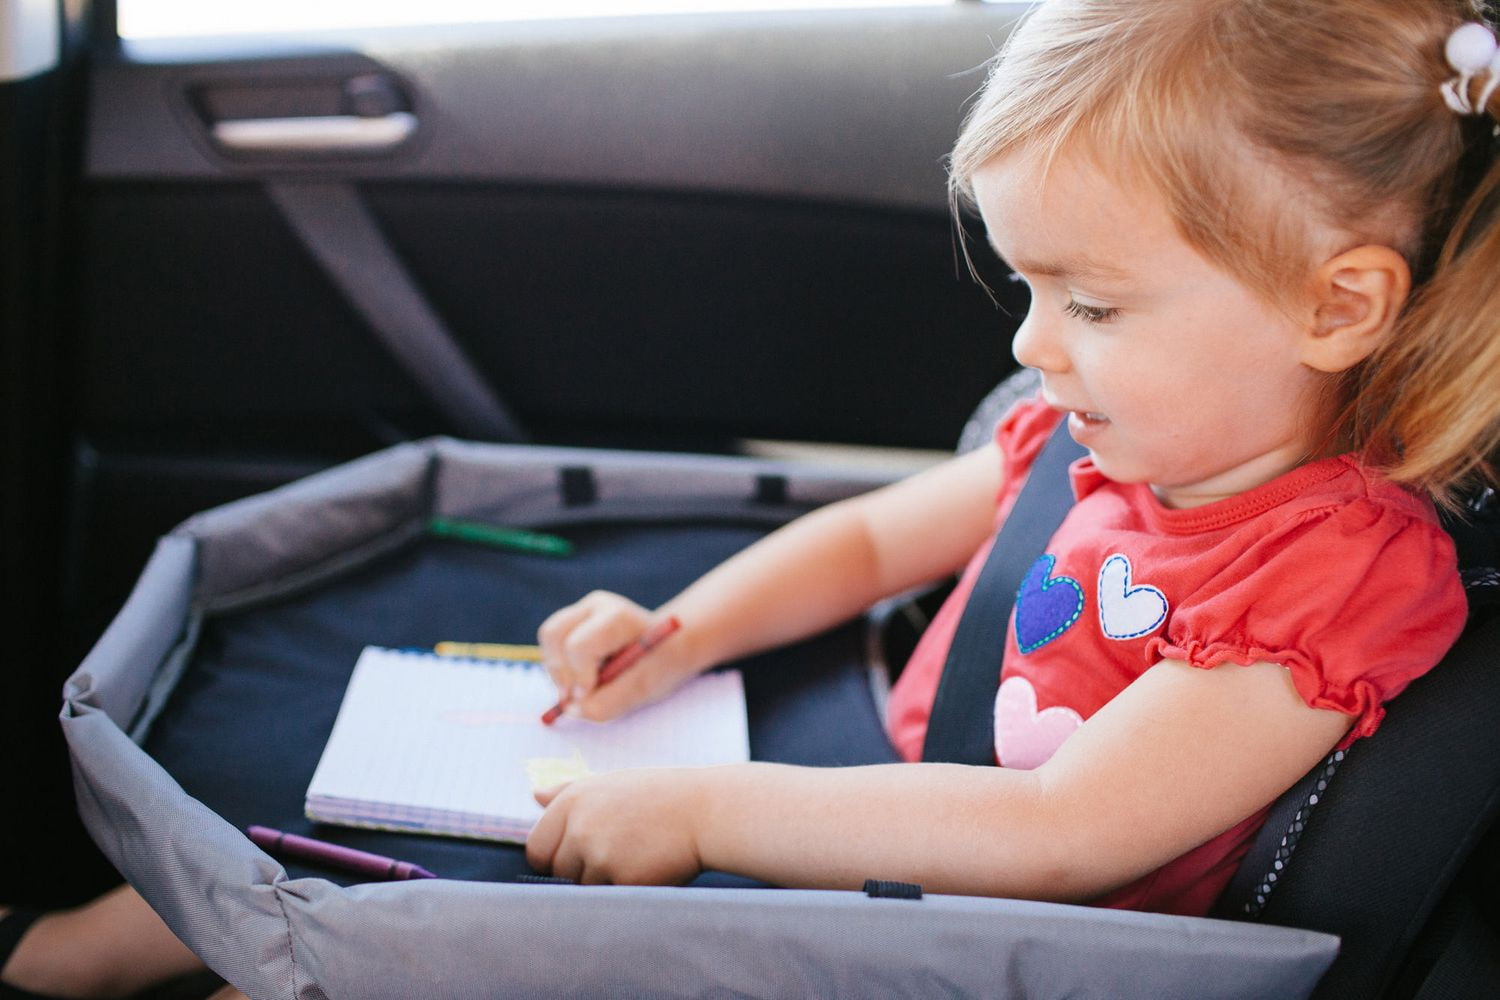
[1426,406]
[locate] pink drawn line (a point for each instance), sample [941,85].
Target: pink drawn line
[477,719]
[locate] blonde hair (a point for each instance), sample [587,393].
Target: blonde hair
[1339,103]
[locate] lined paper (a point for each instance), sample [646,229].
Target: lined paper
[434,744]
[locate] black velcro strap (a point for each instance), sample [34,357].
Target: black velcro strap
[770,489]
[577,485]
[879,888]
[961,728]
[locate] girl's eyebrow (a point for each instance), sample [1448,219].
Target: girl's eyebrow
[1074,266]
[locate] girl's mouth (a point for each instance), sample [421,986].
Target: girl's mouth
[1086,426]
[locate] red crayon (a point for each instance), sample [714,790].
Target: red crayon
[623,660]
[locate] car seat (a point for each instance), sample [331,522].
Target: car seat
[1369,845]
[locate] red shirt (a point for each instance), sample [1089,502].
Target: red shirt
[1346,580]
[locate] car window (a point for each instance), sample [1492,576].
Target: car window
[168,18]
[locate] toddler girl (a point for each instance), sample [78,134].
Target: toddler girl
[1260,241]
[1260,245]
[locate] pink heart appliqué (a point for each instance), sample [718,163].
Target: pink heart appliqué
[1024,737]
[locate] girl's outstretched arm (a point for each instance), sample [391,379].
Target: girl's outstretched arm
[1178,757]
[819,570]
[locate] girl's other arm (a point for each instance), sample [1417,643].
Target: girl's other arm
[817,571]
[1178,757]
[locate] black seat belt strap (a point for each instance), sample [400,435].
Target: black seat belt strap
[961,728]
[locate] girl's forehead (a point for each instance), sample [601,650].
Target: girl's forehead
[1067,215]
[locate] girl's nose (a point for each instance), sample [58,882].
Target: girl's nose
[1036,345]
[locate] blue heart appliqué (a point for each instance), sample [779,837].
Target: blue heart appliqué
[1045,609]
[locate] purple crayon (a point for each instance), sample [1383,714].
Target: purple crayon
[335,855]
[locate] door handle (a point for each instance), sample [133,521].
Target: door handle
[315,133]
[361,112]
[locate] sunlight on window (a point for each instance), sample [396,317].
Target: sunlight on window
[176,18]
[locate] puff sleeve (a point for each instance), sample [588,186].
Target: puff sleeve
[1023,431]
[1356,601]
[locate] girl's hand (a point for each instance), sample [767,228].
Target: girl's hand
[578,639]
[633,827]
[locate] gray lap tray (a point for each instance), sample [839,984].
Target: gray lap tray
[244,726]
[204,706]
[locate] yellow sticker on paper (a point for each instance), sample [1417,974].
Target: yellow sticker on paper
[545,772]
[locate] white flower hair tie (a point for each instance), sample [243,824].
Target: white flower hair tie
[1471,50]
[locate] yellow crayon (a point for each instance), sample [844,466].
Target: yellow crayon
[489,650]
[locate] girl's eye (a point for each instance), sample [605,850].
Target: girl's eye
[1090,314]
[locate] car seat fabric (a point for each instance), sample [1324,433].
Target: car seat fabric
[979,429]
[1368,842]
[279,933]
[1407,807]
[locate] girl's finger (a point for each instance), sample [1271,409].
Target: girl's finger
[598,637]
[592,876]
[544,796]
[551,637]
[559,623]
[542,841]
[567,861]
[633,688]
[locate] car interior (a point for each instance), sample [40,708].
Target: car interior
[234,260]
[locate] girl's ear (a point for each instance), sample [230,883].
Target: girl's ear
[1357,296]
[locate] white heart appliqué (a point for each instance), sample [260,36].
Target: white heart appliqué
[1127,612]
[1024,737]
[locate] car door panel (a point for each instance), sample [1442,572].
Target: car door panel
[668,231]
[659,231]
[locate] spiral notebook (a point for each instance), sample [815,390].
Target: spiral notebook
[454,746]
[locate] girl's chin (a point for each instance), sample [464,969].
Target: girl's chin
[1116,470]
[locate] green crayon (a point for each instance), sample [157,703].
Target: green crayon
[516,539]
